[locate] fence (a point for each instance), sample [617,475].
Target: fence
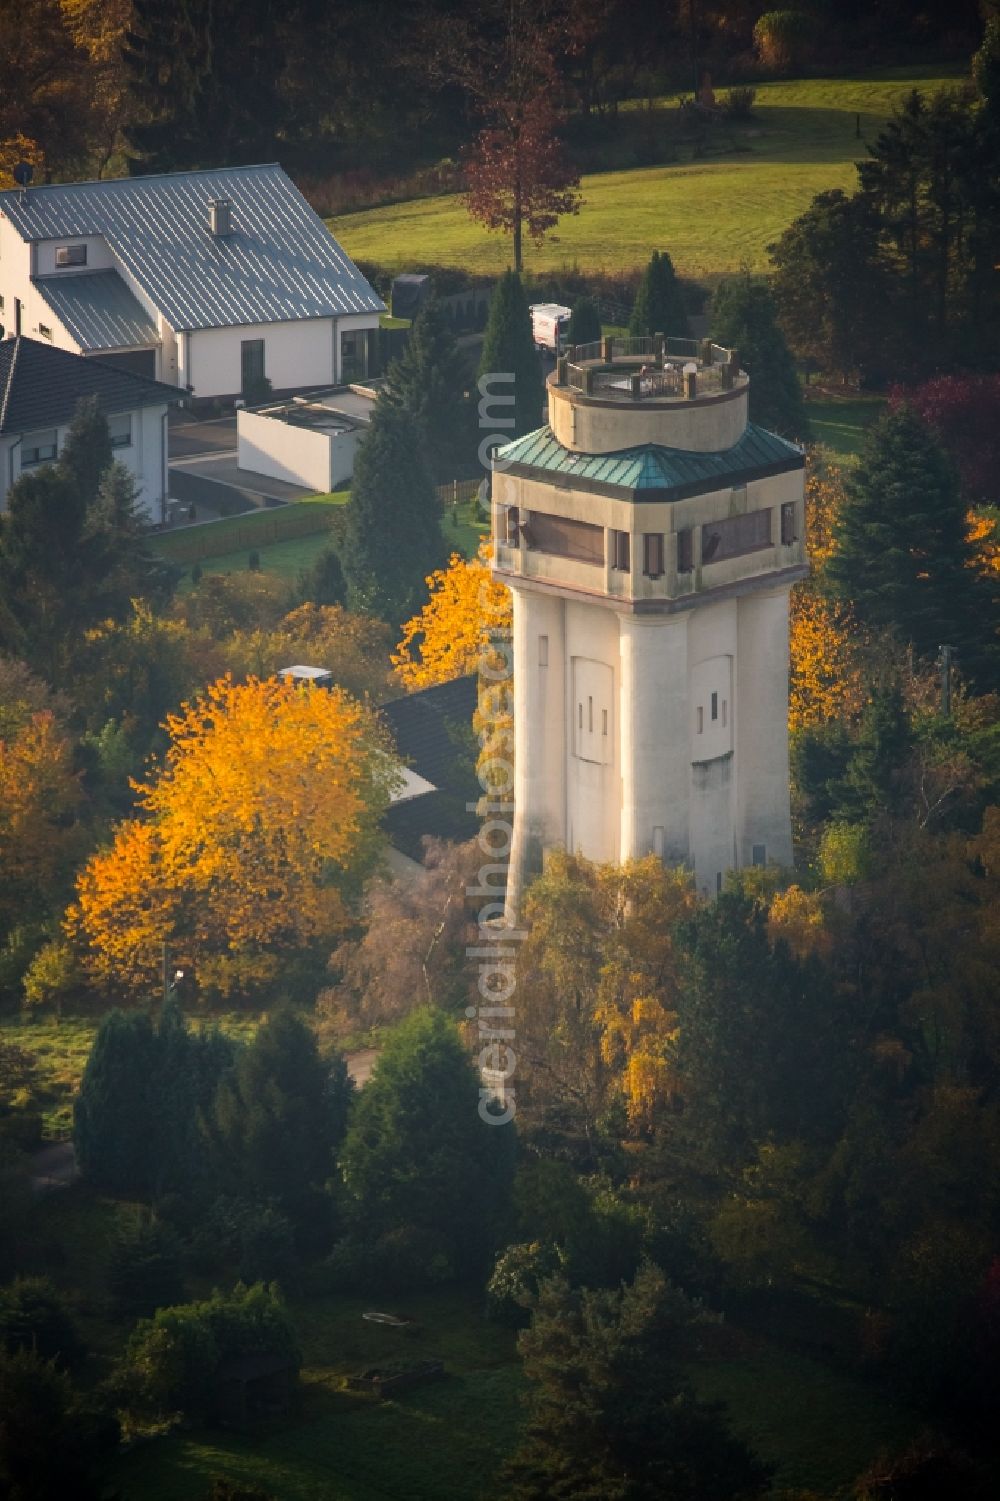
[214,539]
[459,492]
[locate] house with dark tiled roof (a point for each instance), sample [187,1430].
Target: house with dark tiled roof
[213,281]
[40,389]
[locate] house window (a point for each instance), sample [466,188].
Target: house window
[512,526]
[353,354]
[701,720]
[120,428]
[543,651]
[652,554]
[759,854]
[788,529]
[715,706]
[38,448]
[71,255]
[685,550]
[45,331]
[251,365]
[604,721]
[735,536]
[724,706]
[621,557]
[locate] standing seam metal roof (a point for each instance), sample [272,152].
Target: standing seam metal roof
[651,466]
[99,311]
[280,263]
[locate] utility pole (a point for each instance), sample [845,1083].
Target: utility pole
[944,662]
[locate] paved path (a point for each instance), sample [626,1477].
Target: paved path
[53,1167]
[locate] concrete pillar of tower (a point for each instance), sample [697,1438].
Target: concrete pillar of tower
[763,819]
[655,753]
[539,737]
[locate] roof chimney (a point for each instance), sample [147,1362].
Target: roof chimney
[220,217]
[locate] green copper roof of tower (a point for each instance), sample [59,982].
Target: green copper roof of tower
[650,472]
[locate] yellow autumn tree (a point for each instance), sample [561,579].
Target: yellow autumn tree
[40,795]
[465,611]
[825,679]
[259,822]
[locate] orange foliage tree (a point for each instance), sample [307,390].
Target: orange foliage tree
[824,640]
[466,609]
[259,824]
[40,795]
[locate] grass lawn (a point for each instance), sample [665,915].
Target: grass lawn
[438,1443]
[712,213]
[839,422]
[285,560]
[820,1427]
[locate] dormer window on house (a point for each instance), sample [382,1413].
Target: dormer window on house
[71,255]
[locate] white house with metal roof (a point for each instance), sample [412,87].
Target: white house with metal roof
[210,281]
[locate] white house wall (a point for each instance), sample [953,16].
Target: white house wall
[304,456]
[144,459]
[295,355]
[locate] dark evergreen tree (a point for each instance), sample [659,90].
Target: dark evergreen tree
[429,381]
[762,1055]
[117,532]
[87,454]
[144,1270]
[417,1153]
[324,582]
[205,82]
[832,288]
[34,1316]
[141,1097]
[743,318]
[610,1415]
[166,56]
[111,1115]
[659,304]
[71,549]
[584,326]
[509,365]
[872,781]
[279,1116]
[46,1441]
[393,536]
[902,555]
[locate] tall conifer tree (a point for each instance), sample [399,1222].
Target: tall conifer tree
[902,554]
[429,382]
[659,307]
[509,362]
[393,535]
[744,318]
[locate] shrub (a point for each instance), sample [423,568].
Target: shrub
[196,573]
[53,977]
[253,561]
[172,1360]
[410,1258]
[34,1316]
[514,1284]
[144,1272]
[780,37]
[251,1235]
[346,1266]
[738,103]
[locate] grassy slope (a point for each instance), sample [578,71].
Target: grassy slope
[440,1442]
[712,214]
[839,422]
